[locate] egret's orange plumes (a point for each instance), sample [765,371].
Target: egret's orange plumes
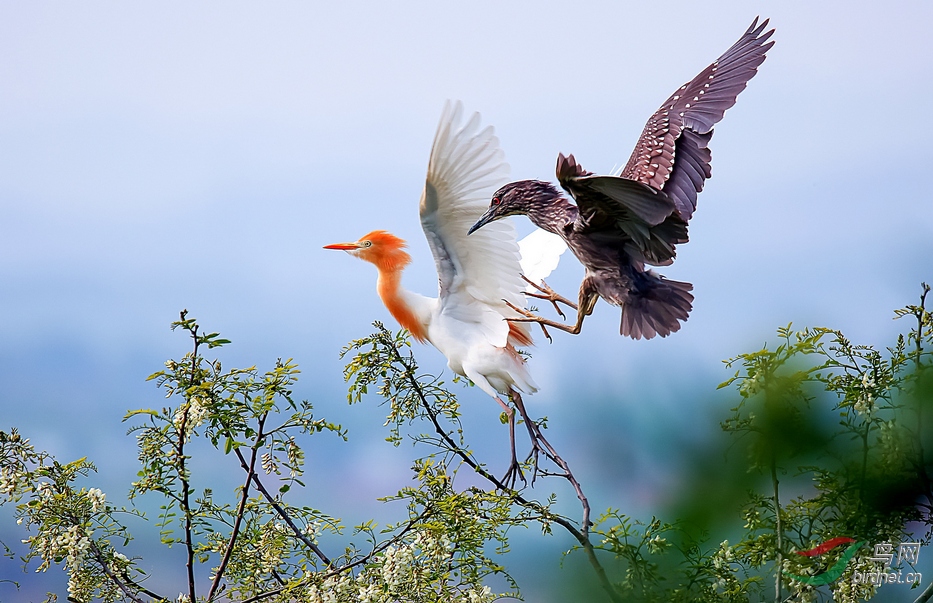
[387,252]
[518,337]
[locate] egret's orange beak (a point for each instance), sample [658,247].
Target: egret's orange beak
[343,246]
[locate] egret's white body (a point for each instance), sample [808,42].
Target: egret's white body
[477,274]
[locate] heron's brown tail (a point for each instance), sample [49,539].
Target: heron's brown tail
[655,306]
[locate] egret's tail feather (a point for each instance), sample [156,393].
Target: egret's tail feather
[656,307]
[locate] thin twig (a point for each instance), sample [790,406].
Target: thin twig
[250,471]
[378,549]
[185,487]
[362,560]
[778,530]
[921,454]
[282,512]
[125,583]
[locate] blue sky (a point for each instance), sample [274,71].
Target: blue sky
[162,156]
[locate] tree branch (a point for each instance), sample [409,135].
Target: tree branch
[581,537]
[123,582]
[282,512]
[185,486]
[250,471]
[362,560]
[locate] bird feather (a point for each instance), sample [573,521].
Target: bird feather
[477,272]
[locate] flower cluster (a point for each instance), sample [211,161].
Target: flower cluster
[70,544]
[397,565]
[11,481]
[268,463]
[416,571]
[752,384]
[333,590]
[864,404]
[272,545]
[848,590]
[295,457]
[656,545]
[803,592]
[97,499]
[312,530]
[191,414]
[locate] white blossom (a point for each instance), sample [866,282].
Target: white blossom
[97,499]
[9,480]
[370,594]
[312,530]
[656,545]
[483,595]
[197,412]
[865,402]
[268,463]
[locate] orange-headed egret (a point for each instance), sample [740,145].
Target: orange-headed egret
[479,276]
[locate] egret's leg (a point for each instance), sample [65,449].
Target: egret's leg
[538,442]
[515,470]
[538,439]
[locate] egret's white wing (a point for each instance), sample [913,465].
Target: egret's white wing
[475,272]
[540,254]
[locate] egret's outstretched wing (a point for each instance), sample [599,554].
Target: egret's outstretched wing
[475,272]
[540,253]
[672,153]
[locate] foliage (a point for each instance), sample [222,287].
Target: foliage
[827,438]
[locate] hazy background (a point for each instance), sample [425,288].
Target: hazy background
[162,156]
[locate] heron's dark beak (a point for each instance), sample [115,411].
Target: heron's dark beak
[489,216]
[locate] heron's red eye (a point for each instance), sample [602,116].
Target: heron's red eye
[496,200]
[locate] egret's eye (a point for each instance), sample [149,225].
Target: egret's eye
[367,243]
[496,200]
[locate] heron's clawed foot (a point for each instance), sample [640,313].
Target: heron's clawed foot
[544,322]
[550,295]
[529,317]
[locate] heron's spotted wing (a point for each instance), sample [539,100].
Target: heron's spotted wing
[475,272]
[672,153]
[642,219]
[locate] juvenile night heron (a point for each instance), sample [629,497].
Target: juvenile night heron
[621,223]
[478,277]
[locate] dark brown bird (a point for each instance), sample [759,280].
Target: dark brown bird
[621,223]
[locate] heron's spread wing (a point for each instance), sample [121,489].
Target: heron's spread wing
[641,219]
[475,272]
[540,254]
[672,153]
